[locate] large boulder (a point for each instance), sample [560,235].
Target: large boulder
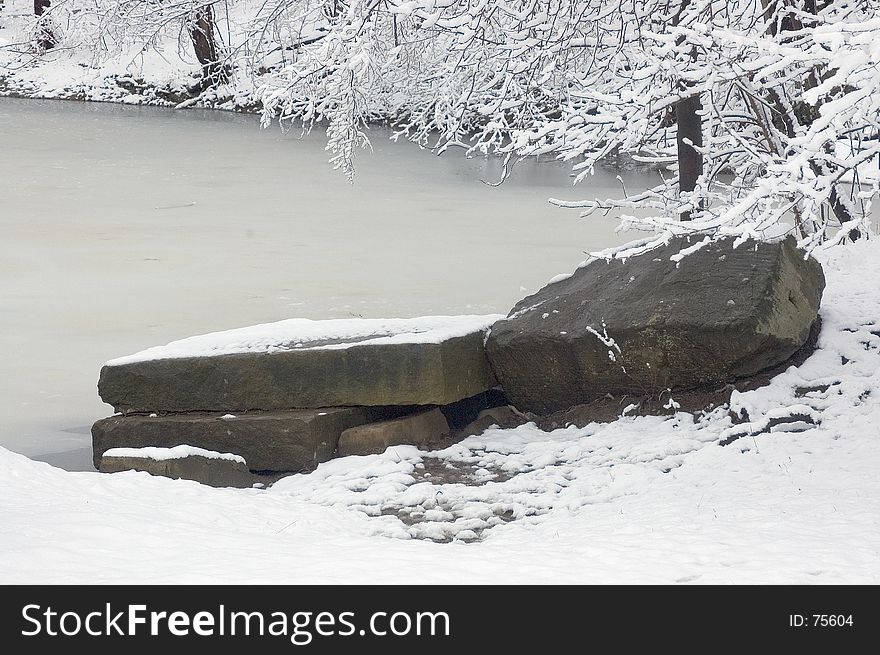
[295,440]
[180,463]
[306,364]
[649,323]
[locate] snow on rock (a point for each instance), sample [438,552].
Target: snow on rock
[653,499]
[305,334]
[177,452]
[301,363]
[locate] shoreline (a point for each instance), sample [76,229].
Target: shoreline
[132,91]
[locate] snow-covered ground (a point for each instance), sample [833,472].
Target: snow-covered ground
[793,497]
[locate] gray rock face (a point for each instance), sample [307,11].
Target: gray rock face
[296,440]
[367,374]
[721,314]
[415,429]
[207,470]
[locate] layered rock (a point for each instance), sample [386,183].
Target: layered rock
[294,440]
[281,395]
[650,323]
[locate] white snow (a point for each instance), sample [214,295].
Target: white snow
[177,452]
[306,334]
[559,278]
[641,499]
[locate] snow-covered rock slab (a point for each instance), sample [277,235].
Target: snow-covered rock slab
[181,462]
[296,440]
[300,363]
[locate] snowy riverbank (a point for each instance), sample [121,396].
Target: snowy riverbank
[647,499]
[164,76]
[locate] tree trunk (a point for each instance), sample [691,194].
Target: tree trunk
[201,31]
[801,113]
[689,133]
[689,129]
[45,38]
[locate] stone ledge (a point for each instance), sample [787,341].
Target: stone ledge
[360,374]
[295,440]
[206,469]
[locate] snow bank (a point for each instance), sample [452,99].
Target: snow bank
[178,452]
[305,334]
[793,498]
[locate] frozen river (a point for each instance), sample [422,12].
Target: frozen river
[125,227]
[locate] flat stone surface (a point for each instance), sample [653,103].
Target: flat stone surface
[641,326]
[254,370]
[213,471]
[415,429]
[295,440]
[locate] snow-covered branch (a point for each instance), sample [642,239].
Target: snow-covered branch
[788,90]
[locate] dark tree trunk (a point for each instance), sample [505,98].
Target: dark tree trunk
[689,133]
[45,39]
[201,31]
[690,129]
[781,17]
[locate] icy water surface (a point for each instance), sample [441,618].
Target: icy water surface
[126,227]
